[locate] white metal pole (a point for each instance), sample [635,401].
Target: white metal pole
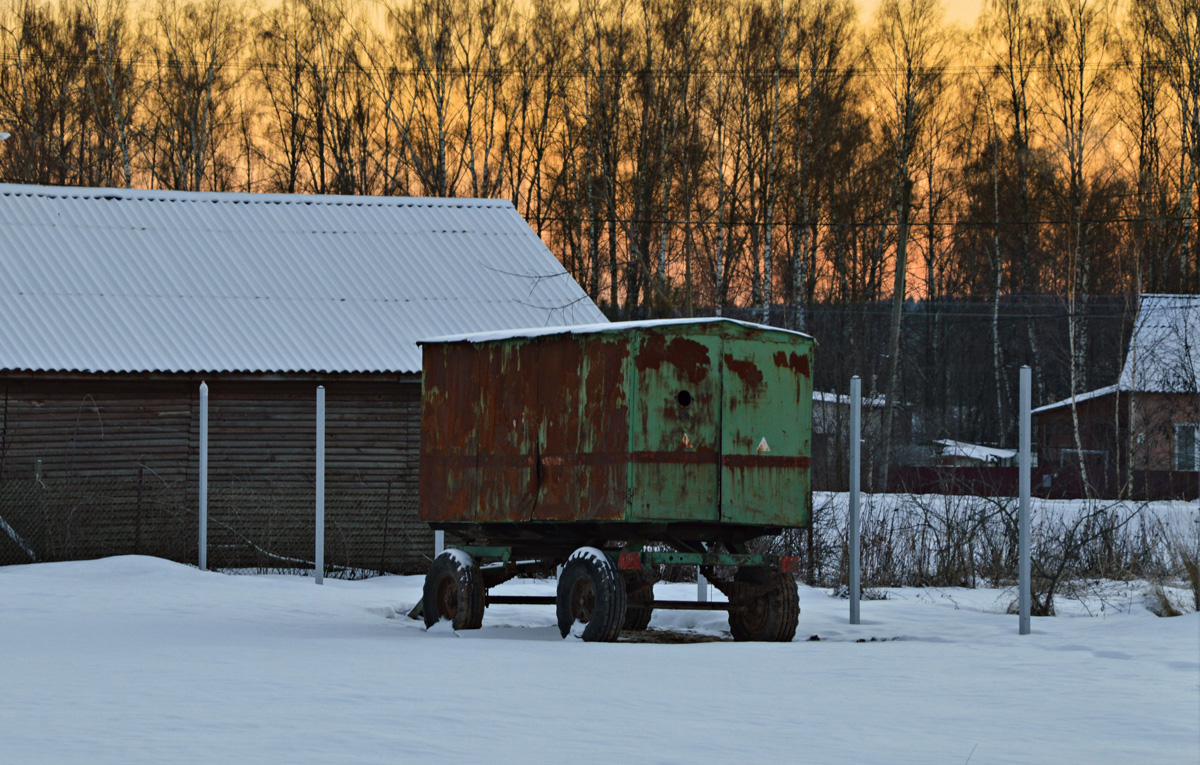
[1023,510]
[701,587]
[203,541]
[439,543]
[855,480]
[320,522]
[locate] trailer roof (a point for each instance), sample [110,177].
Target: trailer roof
[587,329]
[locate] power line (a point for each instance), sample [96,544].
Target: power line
[573,71]
[888,223]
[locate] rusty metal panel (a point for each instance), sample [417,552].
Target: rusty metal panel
[675,437]
[449,480]
[525,430]
[502,395]
[697,422]
[583,447]
[766,439]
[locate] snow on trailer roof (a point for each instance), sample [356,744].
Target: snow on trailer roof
[118,280]
[587,329]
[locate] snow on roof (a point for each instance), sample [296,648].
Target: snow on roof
[1164,351]
[841,398]
[584,329]
[974,451]
[1106,390]
[111,280]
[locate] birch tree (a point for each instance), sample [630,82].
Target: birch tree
[114,87]
[908,54]
[193,103]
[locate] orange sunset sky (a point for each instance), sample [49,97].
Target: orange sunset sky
[960,12]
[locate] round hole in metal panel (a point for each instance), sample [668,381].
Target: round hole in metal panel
[684,398]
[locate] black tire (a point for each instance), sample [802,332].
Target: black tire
[591,591]
[772,614]
[639,594]
[453,591]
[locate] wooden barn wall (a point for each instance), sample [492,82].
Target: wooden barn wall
[93,466]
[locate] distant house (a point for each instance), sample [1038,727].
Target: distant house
[831,428]
[116,304]
[1147,421]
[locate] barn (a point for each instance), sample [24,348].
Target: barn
[116,304]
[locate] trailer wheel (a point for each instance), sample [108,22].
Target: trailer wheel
[592,592]
[639,595]
[454,591]
[769,615]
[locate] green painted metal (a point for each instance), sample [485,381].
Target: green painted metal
[487,551]
[646,558]
[664,558]
[705,423]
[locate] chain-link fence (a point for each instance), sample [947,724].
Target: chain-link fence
[369,529]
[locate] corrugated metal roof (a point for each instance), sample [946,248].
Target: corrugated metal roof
[106,280]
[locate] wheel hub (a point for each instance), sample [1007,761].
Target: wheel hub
[754,613]
[583,600]
[447,597]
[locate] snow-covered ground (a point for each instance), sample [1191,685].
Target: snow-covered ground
[135,659]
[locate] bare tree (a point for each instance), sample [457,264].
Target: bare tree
[1176,25]
[1078,40]
[114,87]
[44,49]
[821,109]
[909,55]
[193,92]
[1012,46]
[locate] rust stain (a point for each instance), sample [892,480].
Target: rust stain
[748,371]
[797,362]
[689,356]
[763,460]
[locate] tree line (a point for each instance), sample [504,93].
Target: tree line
[777,159]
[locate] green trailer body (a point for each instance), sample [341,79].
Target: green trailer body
[613,451]
[699,426]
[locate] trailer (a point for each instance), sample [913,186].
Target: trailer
[613,451]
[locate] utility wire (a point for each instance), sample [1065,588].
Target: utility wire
[572,71]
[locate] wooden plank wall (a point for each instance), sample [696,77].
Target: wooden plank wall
[93,466]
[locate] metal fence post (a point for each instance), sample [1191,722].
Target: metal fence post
[1023,509]
[701,587]
[855,480]
[203,541]
[319,564]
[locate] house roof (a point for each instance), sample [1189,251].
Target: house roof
[106,280]
[1164,351]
